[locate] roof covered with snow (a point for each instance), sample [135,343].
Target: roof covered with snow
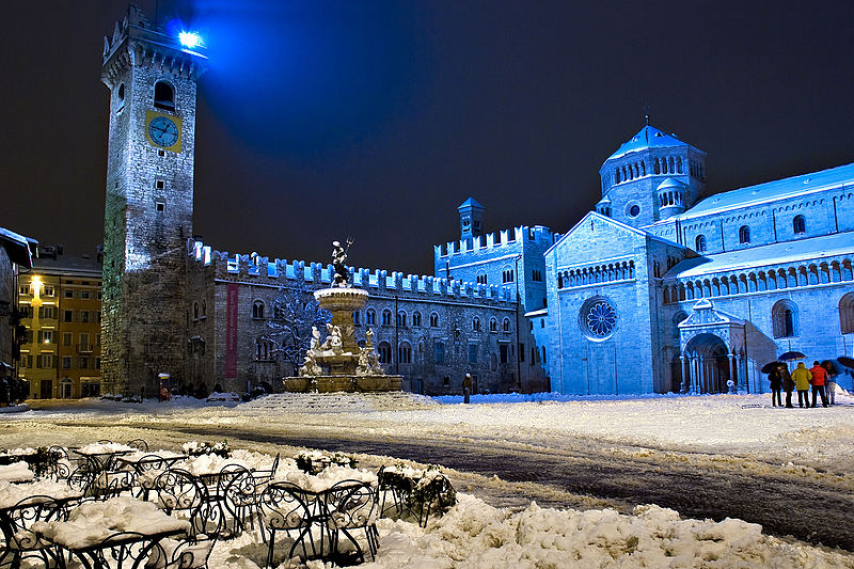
[471,202]
[776,190]
[647,137]
[18,247]
[766,255]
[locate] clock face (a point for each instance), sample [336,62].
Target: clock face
[163,131]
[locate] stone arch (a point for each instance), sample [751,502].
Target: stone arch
[707,359]
[259,309]
[784,319]
[384,352]
[846,313]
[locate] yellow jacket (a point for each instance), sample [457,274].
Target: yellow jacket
[802,377]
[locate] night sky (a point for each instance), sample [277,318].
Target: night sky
[320,119]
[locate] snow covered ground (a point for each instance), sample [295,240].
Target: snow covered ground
[809,443]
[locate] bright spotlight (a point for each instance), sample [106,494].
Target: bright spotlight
[190,39]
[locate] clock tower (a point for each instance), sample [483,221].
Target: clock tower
[149,205]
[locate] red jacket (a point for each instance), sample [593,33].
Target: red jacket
[819,375]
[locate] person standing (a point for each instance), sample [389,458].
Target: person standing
[803,378]
[776,379]
[830,389]
[819,380]
[788,385]
[466,388]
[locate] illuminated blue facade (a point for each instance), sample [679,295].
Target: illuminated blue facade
[660,289]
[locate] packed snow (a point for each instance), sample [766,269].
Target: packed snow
[474,534]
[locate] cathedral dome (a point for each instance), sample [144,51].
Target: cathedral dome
[647,137]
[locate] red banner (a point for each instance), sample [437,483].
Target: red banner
[231,312]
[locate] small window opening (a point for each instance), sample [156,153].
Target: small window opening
[160,206]
[164,96]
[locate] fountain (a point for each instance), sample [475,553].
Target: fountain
[338,363]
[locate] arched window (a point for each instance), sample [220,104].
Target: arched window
[416,319]
[493,325]
[204,309]
[386,317]
[506,325]
[481,279]
[475,324]
[370,318]
[784,319]
[434,320]
[195,311]
[744,234]
[384,352]
[846,313]
[401,319]
[263,349]
[700,243]
[357,318]
[164,96]
[677,318]
[258,309]
[799,225]
[404,354]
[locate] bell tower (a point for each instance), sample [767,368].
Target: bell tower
[149,204]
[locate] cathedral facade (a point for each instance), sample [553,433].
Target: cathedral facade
[657,289]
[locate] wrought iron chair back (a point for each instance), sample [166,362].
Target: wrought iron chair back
[182,494]
[138,444]
[285,507]
[21,542]
[353,505]
[239,493]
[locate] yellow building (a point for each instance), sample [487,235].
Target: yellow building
[61,303]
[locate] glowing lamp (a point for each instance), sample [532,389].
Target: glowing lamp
[190,39]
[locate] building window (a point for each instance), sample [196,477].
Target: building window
[503,353]
[475,324]
[84,295]
[45,336]
[404,354]
[700,243]
[49,290]
[66,362]
[68,293]
[521,352]
[598,318]
[357,318]
[24,290]
[164,96]
[633,210]
[846,313]
[370,318]
[493,325]
[160,207]
[384,351]
[401,319]
[257,309]
[386,317]
[508,276]
[84,342]
[744,234]
[506,325]
[481,279]
[434,320]
[472,353]
[784,319]
[263,350]
[84,317]
[66,339]
[160,185]
[84,362]
[439,349]
[47,312]
[799,225]
[537,275]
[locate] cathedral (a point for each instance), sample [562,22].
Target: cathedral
[659,289]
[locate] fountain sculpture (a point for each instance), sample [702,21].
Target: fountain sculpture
[338,363]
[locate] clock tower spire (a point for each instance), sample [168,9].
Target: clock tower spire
[149,204]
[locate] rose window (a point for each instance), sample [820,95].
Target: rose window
[598,318]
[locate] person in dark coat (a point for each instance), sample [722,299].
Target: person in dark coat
[776,379]
[788,386]
[466,388]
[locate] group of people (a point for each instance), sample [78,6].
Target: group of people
[801,380]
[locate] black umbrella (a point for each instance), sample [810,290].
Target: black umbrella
[771,366]
[846,361]
[832,367]
[792,356]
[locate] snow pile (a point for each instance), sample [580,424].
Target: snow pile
[340,402]
[474,535]
[105,448]
[92,522]
[329,477]
[16,472]
[11,494]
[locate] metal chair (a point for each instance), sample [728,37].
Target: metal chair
[239,493]
[20,542]
[285,507]
[353,506]
[182,494]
